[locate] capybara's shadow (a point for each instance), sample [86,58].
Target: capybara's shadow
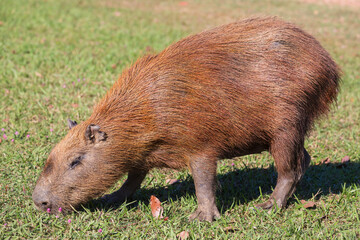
[245,185]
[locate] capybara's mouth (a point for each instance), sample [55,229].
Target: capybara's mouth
[55,209]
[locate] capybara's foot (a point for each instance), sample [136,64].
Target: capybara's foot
[205,215]
[113,199]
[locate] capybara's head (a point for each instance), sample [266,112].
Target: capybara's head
[75,171]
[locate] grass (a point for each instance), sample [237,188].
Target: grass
[58,58]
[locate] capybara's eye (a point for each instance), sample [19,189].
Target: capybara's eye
[76,162]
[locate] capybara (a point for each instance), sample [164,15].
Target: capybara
[242,88]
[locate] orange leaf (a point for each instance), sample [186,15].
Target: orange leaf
[345,159]
[309,204]
[183,235]
[325,161]
[171,181]
[156,209]
[38,74]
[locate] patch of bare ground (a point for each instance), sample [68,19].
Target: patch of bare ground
[347,3]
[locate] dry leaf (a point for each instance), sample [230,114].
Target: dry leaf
[171,181]
[325,161]
[183,235]
[38,74]
[156,209]
[230,229]
[344,162]
[309,204]
[345,159]
[117,14]
[75,105]
[113,66]
[183,4]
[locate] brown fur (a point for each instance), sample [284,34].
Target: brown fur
[238,89]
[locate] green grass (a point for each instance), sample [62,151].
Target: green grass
[57,58]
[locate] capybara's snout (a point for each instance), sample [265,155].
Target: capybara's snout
[42,198]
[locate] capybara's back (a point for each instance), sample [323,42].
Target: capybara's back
[237,89]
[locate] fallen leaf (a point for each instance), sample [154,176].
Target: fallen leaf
[75,105]
[325,161]
[230,229]
[113,66]
[309,204]
[1,23]
[344,162]
[166,218]
[345,159]
[171,181]
[156,209]
[117,14]
[38,74]
[183,4]
[183,235]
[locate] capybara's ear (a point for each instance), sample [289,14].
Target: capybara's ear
[94,135]
[71,123]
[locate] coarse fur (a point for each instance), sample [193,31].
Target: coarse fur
[246,87]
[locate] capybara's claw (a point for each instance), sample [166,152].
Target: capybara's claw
[202,215]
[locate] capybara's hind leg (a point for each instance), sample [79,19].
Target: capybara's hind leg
[291,163]
[132,183]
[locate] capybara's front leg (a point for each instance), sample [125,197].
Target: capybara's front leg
[132,183]
[204,175]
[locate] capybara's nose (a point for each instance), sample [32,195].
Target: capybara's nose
[41,199]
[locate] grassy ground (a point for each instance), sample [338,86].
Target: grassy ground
[58,58]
